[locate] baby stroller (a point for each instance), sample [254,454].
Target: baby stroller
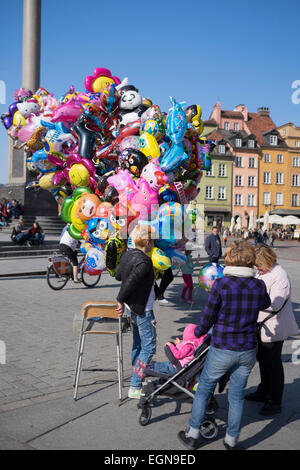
[180,387]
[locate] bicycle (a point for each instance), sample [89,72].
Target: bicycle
[60,270]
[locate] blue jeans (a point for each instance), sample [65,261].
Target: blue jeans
[144,342]
[218,362]
[164,367]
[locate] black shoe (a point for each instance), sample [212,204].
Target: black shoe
[236,447]
[256,397]
[270,409]
[188,442]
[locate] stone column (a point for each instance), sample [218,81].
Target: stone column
[31,44]
[41,202]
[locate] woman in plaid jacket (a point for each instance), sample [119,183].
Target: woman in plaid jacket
[232,311]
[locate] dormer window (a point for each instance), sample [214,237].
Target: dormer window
[238,142]
[222,148]
[251,143]
[273,139]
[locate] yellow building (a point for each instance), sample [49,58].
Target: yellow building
[291,136]
[275,184]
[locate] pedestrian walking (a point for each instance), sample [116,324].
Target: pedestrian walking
[187,270]
[278,323]
[136,274]
[232,309]
[213,246]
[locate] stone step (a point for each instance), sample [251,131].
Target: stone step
[29,252]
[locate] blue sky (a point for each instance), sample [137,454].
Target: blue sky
[199,52]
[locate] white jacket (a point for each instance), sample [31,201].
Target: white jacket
[284,324]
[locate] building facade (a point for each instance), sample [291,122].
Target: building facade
[274,175]
[291,136]
[216,188]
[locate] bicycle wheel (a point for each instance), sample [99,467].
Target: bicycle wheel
[87,279]
[55,281]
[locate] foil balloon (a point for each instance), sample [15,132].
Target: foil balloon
[149,145]
[159,259]
[208,274]
[94,261]
[100,79]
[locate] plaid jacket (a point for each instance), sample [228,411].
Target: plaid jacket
[232,307]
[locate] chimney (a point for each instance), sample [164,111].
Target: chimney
[242,109]
[263,111]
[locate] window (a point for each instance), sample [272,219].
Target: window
[251,200]
[266,198]
[267,177]
[226,126]
[222,192]
[273,139]
[267,158]
[239,161]
[279,158]
[238,180]
[295,200]
[251,162]
[283,132]
[222,148]
[251,180]
[251,144]
[238,199]
[295,180]
[296,161]
[236,126]
[222,169]
[238,142]
[209,192]
[211,171]
[279,199]
[279,178]
[297,143]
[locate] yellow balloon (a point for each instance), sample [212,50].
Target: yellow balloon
[45,182]
[18,119]
[149,145]
[78,224]
[159,259]
[100,83]
[79,175]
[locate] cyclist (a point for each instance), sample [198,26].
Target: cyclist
[68,246]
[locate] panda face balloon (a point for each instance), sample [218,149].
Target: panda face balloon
[130,98]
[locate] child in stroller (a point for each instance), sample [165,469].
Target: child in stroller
[176,378]
[179,354]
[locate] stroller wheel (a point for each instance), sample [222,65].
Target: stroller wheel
[209,428]
[144,415]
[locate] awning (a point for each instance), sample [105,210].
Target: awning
[216,209]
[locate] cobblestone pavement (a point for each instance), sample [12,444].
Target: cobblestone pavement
[36,383]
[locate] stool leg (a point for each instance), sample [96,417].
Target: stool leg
[119,368]
[80,354]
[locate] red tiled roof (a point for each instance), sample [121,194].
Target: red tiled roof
[259,123]
[210,122]
[232,114]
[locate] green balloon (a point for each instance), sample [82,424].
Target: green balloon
[74,232]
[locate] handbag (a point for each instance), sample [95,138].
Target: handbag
[271,315]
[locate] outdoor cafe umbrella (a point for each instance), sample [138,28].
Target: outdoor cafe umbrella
[290,220]
[251,221]
[239,224]
[266,221]
[232,224]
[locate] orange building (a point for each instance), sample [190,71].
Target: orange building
[291,136]
[274,169]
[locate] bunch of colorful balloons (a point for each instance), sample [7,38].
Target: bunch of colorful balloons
[116,160]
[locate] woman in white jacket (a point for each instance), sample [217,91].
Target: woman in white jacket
[279,326]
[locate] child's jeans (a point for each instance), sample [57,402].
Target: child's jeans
[164,367]
[188,285]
